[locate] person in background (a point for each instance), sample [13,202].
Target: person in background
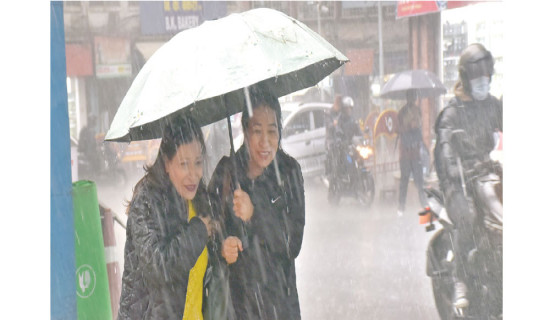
[88,151]
[168,228]
[331,123]
[409,129]
[264,208]
[346,125]
[479,114]
[340,129]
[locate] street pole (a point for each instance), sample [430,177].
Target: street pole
[380,52]
[319,31]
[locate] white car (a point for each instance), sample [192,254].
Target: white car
[303,135]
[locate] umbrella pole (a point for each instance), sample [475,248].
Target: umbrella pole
[232,150]
[243,236]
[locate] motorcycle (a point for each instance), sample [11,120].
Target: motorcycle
[350,176]
[482,186]
[102,167]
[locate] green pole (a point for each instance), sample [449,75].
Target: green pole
[92,283]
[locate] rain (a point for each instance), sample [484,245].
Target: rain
[361,257]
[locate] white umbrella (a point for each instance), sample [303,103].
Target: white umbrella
[203,71]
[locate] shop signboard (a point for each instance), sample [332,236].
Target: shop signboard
[171,17]
[416,8]
[79,60]
[112,57]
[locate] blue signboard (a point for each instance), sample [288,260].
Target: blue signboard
[170,17]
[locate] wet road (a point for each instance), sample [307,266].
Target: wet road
[363,264]
[354,263]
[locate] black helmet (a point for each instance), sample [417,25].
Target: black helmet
[475,61]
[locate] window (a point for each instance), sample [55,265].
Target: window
[307,10]
[297,125]
[282,6]
[319,119]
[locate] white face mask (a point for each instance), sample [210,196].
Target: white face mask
[480,88]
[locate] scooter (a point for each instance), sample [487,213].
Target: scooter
[483,188]
[351,176]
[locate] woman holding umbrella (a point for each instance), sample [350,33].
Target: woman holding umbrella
[264,216]
[167,231]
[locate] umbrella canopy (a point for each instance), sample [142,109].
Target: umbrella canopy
[202,71]
[425,82]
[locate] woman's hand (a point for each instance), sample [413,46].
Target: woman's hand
[230,249]
[242,205]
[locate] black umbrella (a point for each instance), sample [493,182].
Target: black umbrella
[426,83]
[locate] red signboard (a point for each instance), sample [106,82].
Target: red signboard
[79,60]
[415,8]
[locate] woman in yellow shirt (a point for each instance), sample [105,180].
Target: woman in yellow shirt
[167,232]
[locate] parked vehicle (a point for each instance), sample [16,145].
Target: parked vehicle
[106,168]
[303,135]
[352,176]
[483,188]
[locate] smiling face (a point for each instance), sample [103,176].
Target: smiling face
[262,139]
[185,169]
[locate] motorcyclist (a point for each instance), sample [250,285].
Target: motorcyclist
[341,128]
[479,114]
[331,121]
[347,127]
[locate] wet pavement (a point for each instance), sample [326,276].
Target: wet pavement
[359,263]
[355,263]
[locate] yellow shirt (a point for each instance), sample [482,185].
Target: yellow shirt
[193,299]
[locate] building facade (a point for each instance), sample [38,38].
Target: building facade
[108,42]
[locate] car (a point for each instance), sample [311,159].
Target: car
[303,135]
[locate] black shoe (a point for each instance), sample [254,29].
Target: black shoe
[460,300]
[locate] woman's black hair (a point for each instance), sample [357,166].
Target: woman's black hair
[259,98]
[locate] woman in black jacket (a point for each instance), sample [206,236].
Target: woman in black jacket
[264,216]
[165,256]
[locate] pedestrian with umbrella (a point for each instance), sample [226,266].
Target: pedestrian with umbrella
[270,200]
[411,85]
[207,72]
[409,129]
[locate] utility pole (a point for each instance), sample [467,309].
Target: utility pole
[319,5]
[380,51]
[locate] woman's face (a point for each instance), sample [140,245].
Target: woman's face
[185,169]
[262,138]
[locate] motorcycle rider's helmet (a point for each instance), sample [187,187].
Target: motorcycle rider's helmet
[347,102]
[475,61]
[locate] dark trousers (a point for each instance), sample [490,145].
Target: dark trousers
[466,228]
[408,167]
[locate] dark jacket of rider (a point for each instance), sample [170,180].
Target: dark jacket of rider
[479,120]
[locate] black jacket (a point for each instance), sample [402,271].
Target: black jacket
[480,120]
[263,280]
[161,248]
